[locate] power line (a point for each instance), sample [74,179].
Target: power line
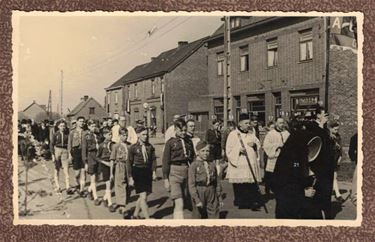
[131,50]
[119,52]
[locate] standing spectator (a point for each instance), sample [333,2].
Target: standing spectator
[272,145]
[141,167]
[246,194]
[337,155]
[255,125]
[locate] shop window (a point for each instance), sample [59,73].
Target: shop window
[257,107]
[278,105]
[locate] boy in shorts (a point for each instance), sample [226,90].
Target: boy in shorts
[204,184]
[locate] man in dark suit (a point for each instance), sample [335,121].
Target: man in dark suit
[323,166]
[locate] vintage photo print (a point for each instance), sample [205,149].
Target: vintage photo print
[187,118]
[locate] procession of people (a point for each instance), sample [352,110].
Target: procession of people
[296,161]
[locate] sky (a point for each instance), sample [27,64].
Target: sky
[91,52]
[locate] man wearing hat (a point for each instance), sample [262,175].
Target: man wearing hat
[243,146]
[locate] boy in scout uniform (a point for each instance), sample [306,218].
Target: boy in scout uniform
[90,148]
[106,166]
[204,184]
[58,146]
[119,156]
[141,166]
[178,154]
[75,154]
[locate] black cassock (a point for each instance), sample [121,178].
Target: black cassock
[291,177]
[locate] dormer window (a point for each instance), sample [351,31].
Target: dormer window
[235,22]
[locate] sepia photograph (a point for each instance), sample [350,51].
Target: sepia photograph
[199,118]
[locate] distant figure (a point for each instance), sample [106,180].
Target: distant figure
[353,157]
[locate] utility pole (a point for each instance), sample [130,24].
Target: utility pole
[61,92]
[227,72]
[49,106]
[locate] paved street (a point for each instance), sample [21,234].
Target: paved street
[45,204]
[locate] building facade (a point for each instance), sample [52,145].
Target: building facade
[166,84]
[279,68]
[88,108]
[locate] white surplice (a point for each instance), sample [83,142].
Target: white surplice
[238,168]
[271,144]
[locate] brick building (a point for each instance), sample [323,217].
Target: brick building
[167,83]
[278,68]
[89,108]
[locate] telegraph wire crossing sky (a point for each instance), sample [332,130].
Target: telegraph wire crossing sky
[93,51]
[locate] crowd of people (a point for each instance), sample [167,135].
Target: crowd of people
[193,168]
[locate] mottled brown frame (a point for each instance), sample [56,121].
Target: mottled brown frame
[10,232]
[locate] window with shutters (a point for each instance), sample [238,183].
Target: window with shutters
[305,45]
[272,56]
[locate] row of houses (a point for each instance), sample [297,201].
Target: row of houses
[278,68]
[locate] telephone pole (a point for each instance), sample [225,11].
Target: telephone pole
[61,92]
[49,106]
[227,72]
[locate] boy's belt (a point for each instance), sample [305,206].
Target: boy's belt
[179,163]
[61,147]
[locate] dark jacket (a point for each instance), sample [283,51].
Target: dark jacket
[213,137]
[174,154]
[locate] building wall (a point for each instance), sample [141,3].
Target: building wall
[289,74]
[111,106]
[186,82]
[343,91]
[144,91]
[100,112]
[33,111]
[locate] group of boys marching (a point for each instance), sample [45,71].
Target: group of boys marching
[107,151]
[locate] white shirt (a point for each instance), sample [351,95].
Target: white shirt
[116,133]
[271,144]
[132,135]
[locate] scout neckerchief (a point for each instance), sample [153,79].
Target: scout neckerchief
[207,169]
[183,147]
[144,152]
[123,150]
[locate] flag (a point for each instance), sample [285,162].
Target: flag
[344,32]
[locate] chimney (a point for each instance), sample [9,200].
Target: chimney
[84,98]
[182,43]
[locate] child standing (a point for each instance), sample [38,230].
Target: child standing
[141,166]
[204,184]
[119,156]
[106,165]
